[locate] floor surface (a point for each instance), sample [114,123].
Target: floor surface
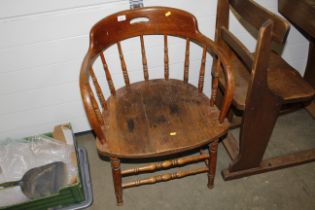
[290,189]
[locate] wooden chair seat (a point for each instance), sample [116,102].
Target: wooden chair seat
[283,80]
[159,117]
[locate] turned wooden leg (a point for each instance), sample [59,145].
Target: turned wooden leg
[115,162]
[213,148]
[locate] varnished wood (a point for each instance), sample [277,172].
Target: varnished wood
[115,163]
[202,70]
[231,146]
[144,60]
[96,109]
[266,85]
[302,14]
[166,62]
[257,95]
[98,89]
[283,80]
[154,118]
[163,113]
[213,148]
[222,19]
[108,75]
[165,177]
[123,64]
[165,164]
[203,152]
[271,164]
[215,82]
[256,15]
[186,64]
[309,74]
[299,12]
[311,109]
[238,47]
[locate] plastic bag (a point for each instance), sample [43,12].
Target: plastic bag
[20,155]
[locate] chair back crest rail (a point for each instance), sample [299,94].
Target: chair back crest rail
[256,16]
[163,21]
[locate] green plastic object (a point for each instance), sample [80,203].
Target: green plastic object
[66,196]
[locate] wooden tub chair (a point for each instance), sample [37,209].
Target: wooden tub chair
[265,87]
[159,117]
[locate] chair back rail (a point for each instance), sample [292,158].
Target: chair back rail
[202,70]
[186,64]
[254,14]
[123,64]
[144,60]
[166,61]
[138,23]
[108,75]
[238,47]
[98,89]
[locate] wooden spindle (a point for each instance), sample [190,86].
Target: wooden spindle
[202,70]
[202,152]
[165,177]
[144,60]
[186,64]
[98,89]
[95,107]
[215,81]
[107,74]
[165,164]
[166,61]
[123,64]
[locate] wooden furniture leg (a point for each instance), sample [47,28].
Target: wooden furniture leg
[247,156]
[213,150]
[266,86]
[116,171]
[254,139]
[256,129]
[309,74]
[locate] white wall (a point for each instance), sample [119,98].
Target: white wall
[42,44]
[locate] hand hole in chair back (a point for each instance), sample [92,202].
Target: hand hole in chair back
[139,20]
[146,116]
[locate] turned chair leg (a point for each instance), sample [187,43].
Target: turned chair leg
[116,171]
[212,163]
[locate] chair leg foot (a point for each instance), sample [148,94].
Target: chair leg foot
[117,178]
[213,148]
